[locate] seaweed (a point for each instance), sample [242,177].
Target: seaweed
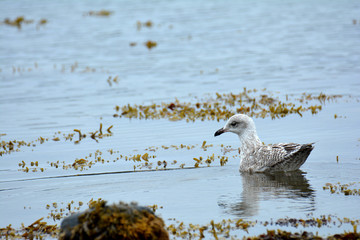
[101,13]
[223,106]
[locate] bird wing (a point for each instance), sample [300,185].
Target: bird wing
[278,155]
[286,150]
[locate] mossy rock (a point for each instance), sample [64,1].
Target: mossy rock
[117,221]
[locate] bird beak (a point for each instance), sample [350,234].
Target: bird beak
[219,132]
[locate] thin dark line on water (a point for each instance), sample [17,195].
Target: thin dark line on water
[8,189]
[102,173]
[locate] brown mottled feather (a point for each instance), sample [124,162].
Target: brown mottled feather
[276,157]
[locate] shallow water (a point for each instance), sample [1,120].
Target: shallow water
[54,78]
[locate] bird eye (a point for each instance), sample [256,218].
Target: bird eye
[233,124]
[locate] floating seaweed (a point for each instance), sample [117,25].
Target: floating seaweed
[37,230]
[150,44]
[74,67]
[223,106]
[42,21]
[175,147]
[18,22]
[112,80]
[210,159]
[226,228]
[147,24]
[59,211]
[101,13]
[155,207]
[8,147]
[34,167]
[342,188]
[142,160]
[81,163]
[11,146]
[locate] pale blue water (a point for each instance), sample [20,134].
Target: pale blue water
[203,47]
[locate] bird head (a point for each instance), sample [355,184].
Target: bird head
[237,124]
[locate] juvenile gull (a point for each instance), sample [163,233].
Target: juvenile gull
[257,157]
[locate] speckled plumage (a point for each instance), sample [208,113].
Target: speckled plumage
[257,157]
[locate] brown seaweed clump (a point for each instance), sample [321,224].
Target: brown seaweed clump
[150,44]
[228,229]
[280,234]
[223,106]
[17,22]
[20,21]
[101,13]
[343,188]
[37,230]
[117,221]
[147,24]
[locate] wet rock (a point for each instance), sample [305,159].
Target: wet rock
[117,221]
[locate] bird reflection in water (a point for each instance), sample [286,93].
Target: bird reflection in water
[266,186]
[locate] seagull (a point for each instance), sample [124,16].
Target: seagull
[258,157]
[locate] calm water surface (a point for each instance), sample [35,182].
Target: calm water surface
[54,78]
